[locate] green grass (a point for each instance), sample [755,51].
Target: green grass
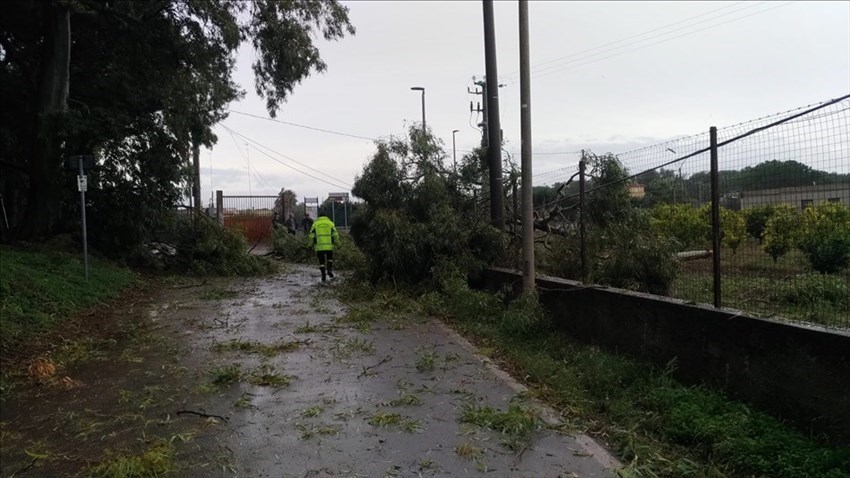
[406,400]
[385,419]
[817,298]
[632,404]
[753,282]
[655,425]
[468,451]
[266,376]
[38,289]
[157,460]
[252,347]
[516,423]
[225,374]
[426,360]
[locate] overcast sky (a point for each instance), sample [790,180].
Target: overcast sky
[606,76]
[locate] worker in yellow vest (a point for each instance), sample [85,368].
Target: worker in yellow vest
[324,238]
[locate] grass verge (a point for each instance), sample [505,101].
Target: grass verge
[39,288]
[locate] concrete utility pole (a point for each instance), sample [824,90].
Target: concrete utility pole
[481,108]
[419,88]
[494,146]
[528,273]
[454,151]
[196,173]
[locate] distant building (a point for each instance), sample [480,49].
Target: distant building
[798,197]
[637,190]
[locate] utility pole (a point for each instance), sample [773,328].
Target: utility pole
[196,173]
[454,151]
[422,89]
[248,160]
[480,108]
[528,273]
[494,146]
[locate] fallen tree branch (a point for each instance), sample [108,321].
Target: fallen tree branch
[367,369]
[32,463]
[200,414]
[190,285]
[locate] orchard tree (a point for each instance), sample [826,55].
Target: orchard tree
[825,237]
[781,231]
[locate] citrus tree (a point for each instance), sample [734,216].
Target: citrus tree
[780,234]
[824,237]
[682,223]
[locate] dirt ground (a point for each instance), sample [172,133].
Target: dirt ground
[262,378]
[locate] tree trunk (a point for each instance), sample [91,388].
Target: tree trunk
[196,172]
[44,166]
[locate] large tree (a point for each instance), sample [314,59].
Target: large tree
[139,83]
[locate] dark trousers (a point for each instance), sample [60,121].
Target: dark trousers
[326,260]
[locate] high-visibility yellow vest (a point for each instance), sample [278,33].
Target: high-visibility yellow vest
[323,234]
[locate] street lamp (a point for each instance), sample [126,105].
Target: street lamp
[419,88]
[454,150]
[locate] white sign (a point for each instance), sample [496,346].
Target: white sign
[82,183]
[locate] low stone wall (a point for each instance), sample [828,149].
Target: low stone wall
[799,373]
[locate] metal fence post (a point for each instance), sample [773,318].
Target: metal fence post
[715,216]
[219,206]
[82,188]
[583,244]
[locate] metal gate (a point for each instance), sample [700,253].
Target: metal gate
[250,216]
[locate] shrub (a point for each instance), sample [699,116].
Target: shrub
[292,248]
[756,219]
[637,260]
[683,223]
[198,245]
[733,228]
[781,232]
[814,289]
[825,237]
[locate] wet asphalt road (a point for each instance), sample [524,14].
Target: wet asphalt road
[382,400]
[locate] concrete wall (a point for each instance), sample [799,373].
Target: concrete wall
[798,373]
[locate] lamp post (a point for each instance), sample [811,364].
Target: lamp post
[454,151]
[419,88]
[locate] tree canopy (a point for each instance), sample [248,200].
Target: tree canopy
[139,84]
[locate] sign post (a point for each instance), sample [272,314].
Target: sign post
[81,163]
[341,198]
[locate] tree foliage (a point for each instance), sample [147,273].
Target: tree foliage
[148,80]
[756,219]
[780,234]
[682,223]
[623,247]
[825,237]
[416,214]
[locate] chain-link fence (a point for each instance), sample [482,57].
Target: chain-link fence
[764,227]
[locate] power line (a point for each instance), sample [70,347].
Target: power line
[570,67]
[289,158]
[283,163]
[338,133]
[663,27]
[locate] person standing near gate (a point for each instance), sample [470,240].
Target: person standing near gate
[325,239]
[290,224]
[307,223]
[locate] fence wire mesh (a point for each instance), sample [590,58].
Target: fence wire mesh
[784,217]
